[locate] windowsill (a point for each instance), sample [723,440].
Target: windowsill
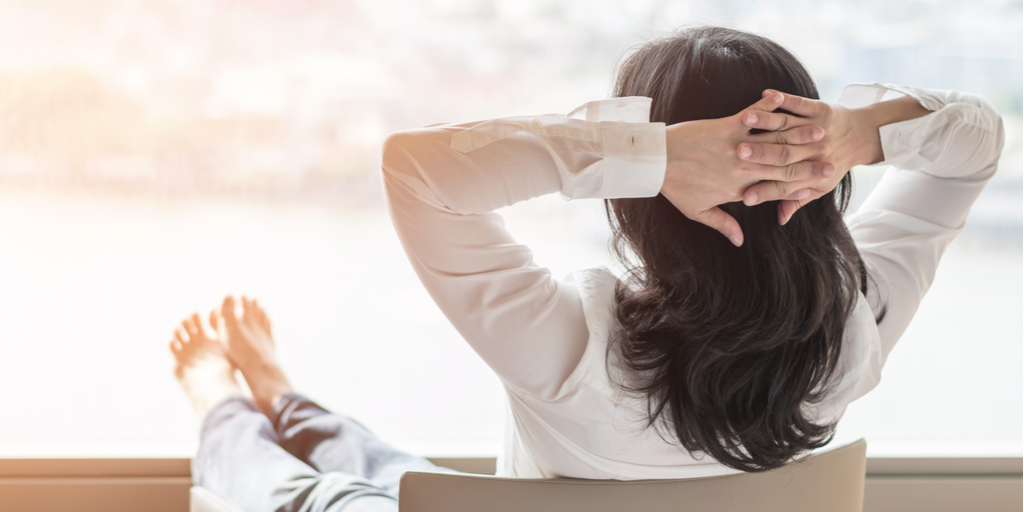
[173,459]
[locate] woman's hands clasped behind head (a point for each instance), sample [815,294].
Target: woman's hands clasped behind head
[799,157]
[850,139]
[697,182]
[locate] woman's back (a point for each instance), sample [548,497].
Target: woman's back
[558,345]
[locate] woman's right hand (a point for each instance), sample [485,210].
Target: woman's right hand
[706,170]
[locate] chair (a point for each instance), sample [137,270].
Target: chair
[202,500]
[828,481]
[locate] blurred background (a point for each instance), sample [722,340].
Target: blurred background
[157,154]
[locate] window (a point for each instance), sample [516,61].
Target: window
[155,156]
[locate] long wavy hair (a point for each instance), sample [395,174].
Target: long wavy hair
[728,344]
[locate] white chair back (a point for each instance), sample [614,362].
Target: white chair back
[829,481]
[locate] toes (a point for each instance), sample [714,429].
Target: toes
[190,328]
[215,320]
[198,322]
[179,344]
[262,315]
[248,311]
[251,312]
[227,313]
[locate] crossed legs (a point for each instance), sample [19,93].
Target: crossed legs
[279,451]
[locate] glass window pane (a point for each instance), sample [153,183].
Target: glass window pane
[157,155]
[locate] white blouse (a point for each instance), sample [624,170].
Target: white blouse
[548,339]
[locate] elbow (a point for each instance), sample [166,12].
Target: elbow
[975,129]
[997,135]
[1000,138]
[977,110]
[397,151]
[406,158]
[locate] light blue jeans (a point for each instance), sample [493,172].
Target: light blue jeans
[301,459]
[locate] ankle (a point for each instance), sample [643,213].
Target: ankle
[268,387]
[267,398]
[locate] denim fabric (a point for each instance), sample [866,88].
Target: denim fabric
[301,459]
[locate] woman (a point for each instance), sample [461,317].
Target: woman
[709,357]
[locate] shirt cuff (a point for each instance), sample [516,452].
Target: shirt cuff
[901,141]
[634,159]
[629,109]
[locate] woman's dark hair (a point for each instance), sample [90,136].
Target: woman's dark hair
[728,345]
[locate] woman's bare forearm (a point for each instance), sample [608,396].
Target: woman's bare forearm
[884,113]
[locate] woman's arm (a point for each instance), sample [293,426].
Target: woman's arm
[944,146]
[941,161]
[443,183]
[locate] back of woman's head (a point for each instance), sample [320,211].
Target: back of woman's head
[729,344]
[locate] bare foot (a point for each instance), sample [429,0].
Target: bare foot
[202,366]
[251,347]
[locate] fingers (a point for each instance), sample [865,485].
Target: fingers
[760,115]
[768,102]
[717,219]
[799,135]
[800,171]
[779,190]
[775,154]
[800,106]
[788,208]
[775,191]
[773,121]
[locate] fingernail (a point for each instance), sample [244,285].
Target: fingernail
[777,98]
[751,118]
[736,240]
[829,170]
[750,200]
[803,194]
[745,152]
[818,133]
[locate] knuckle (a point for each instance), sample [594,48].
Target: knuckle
[784,155]
[780,188]
[783,122]
[780,137]
[792,172]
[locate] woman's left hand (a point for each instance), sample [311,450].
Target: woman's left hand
[851,138]
[705,170]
